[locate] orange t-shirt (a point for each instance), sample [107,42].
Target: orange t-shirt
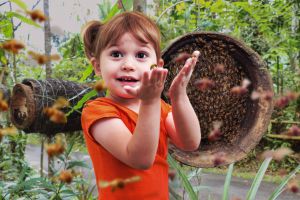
[154,181]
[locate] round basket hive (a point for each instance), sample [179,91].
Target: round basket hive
[244,120]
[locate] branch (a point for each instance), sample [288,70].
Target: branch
[172,6]
[284,122]
[33,7]
[284,137]
[124,9]
[4,3]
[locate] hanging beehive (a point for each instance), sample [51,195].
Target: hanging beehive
[227,62]
[31,97]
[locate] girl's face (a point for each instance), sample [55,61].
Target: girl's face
[124,64]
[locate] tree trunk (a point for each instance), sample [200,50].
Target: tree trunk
[294,55]
[14,66]
[47,38]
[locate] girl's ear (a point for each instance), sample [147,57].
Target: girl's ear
[96,66]
[160,63]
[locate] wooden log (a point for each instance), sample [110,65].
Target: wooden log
[30,97]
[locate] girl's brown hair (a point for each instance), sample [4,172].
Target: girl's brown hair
[97,36]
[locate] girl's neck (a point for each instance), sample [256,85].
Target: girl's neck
[131,103]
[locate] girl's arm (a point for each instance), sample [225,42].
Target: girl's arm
[182,123]
[137,150]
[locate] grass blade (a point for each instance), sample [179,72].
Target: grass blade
[227,182]
[185,182]
[280,188]
[258,178]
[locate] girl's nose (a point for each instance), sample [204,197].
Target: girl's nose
[128,66]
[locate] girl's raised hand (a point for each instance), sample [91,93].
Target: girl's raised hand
[152,85]
[179,84]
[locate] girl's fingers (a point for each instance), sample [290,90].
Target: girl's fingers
[157,76]
[145,78]
[164,76]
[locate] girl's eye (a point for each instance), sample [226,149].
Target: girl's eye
[116,54]
[141,55]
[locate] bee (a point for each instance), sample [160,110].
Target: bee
[219,158]
[118,183]
[182,57]
[37,15]
[99,86]
[55,149]
[43,59]
[293,131]
[153,66]
[241,90]
[8,131]
[277,154]
[267,95]
[204,84]
[219,68]
[13,46]
[3,103]
[293,186]
[66,176]
[216,133]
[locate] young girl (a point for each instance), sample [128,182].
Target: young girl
[126,132]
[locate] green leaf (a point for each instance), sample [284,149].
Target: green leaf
[280,188]
[68,191]
[86,73]
[75,163]
[23,19]
[6,28]
[70,147]
[185,182]
[227,182]
[128,4]
[258,178]
[80,103]
[49,186]
[20,3]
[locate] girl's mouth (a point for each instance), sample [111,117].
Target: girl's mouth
[127,80]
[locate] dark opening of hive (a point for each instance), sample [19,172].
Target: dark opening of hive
[22,109]
[243,120]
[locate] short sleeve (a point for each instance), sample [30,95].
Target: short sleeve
[166,108]
[94,111]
